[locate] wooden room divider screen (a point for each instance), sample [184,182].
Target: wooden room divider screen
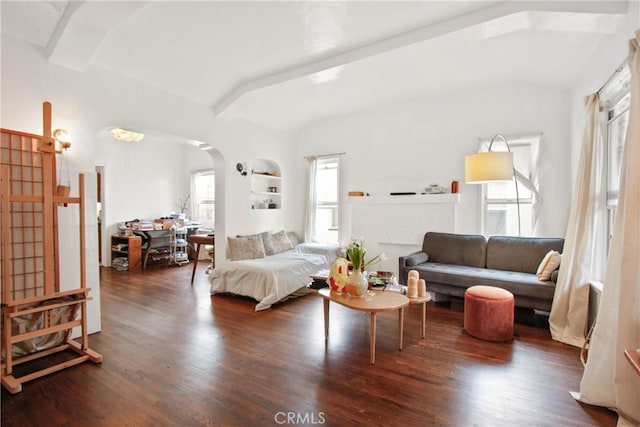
[37,317]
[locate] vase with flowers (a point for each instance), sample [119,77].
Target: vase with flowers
[357,284]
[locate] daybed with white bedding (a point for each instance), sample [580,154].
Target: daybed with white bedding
[269,278]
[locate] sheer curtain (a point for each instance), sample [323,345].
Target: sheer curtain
[193,191]
[310,205]
[570,309]
[608,380]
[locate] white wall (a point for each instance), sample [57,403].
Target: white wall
[141,179]
[88,102]
[69,247]
[408,146]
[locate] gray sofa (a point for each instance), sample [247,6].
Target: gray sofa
[450,263]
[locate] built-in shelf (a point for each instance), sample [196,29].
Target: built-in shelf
[265,176]
[411,199]
[265,193]
[266,187]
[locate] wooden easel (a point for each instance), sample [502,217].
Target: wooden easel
[30,256]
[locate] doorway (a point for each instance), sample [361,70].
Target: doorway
[99,209]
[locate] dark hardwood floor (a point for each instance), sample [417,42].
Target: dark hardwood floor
[174,355]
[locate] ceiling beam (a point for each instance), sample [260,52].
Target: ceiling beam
[418,35]
[81,29]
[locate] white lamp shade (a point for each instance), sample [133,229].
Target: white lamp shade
[488,167]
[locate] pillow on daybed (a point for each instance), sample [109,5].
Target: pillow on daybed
[281,242]
[268,242]
[293,237]
[246,247]
[548,265]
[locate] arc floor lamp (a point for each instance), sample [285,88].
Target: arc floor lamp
[492,166]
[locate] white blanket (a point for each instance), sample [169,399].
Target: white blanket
[268,279]
[331,252]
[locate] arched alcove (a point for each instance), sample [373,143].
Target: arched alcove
[149,178]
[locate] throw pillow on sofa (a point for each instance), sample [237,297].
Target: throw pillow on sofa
[548,265]
[246,247]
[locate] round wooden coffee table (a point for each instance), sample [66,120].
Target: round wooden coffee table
[374,303]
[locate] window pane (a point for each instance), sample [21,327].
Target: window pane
[502,219]
[205,184]
[326,224]
[327,182]
[326,190]
[206,214]
[617,131]
[522,162]
[500,203]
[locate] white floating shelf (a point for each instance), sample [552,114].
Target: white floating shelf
[260,175]
[265,193]
[408,199]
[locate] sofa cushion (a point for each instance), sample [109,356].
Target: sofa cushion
[458,249]
[416,258]
[518,283]
[522,254]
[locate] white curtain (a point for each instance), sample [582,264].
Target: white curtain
[570,309]
[536,175]
[195,214]
[310,203]
[340,204]
[608,379]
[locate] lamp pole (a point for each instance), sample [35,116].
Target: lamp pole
[515,176]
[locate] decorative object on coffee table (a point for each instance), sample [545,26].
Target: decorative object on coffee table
[357,284]
[338,275]
[412,283]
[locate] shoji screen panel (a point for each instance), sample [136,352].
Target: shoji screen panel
[19,151]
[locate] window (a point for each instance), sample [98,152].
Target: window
[499,203]
[324,203]
[203,190]
[617,122]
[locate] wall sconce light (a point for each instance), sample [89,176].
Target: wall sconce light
[242,168]
[126,135]
[62,139]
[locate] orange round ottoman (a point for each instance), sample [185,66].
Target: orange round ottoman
[488,313]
